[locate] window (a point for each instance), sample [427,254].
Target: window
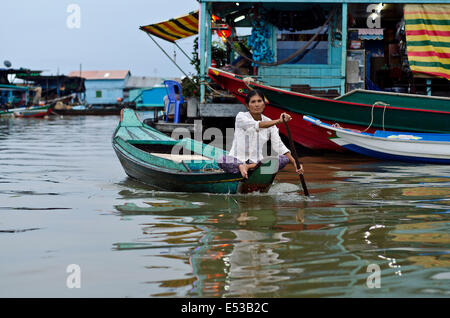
[98,94]
[289,42]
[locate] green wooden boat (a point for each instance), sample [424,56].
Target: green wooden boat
[185,165]
[381,98]
[26,112]
[405,112]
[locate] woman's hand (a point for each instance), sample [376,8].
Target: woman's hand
[300,171]
[287,118]
[243,168]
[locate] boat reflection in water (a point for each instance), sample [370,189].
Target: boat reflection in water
[280,244]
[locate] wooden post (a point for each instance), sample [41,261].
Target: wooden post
[344,47]
[202,49]
[208,37]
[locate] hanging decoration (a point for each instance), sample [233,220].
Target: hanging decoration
[259,44]
[223,30]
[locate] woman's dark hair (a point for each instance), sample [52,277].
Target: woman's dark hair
[252,93]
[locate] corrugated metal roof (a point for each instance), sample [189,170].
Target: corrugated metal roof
[101,75]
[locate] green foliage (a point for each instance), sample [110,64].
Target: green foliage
[218,54]
[188,88]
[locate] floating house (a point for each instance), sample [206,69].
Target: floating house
[54,86]
[328,48]
[20,93]
[103,88]
[323,48]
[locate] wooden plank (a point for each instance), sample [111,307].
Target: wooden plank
[220,110]
[180,158]
[169,127]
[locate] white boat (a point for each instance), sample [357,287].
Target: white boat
[390,145]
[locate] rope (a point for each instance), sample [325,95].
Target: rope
[173,61]
[292,56]
[212,89]
[384,110]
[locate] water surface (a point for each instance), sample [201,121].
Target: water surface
[65,199]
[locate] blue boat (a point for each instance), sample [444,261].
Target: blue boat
[390,145]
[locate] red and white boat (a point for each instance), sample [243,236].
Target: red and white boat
[358,110]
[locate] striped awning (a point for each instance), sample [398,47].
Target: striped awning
[428,38]
[174,29]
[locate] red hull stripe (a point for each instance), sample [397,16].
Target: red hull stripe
[349,103]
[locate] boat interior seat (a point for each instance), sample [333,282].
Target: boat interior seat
[180,158]
[177,152]
[192,163]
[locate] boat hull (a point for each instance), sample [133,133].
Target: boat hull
[176,182]
[183,165]
[27,112]
[390,145]
[386,155]
[305,133]
[349,111]
[425,119]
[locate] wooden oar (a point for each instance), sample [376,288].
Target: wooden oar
[294,154]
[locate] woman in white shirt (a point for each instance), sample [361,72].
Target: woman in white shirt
[252,131]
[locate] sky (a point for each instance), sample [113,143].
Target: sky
[49,35]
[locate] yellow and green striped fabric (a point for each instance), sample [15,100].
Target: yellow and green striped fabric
[174,29]
[428,38]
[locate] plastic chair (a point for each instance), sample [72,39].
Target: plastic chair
[171,87]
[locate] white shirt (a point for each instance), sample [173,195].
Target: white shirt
[249,139]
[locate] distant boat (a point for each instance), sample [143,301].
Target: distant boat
[356,110]
[26,112]
[390,145]
[153,158]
